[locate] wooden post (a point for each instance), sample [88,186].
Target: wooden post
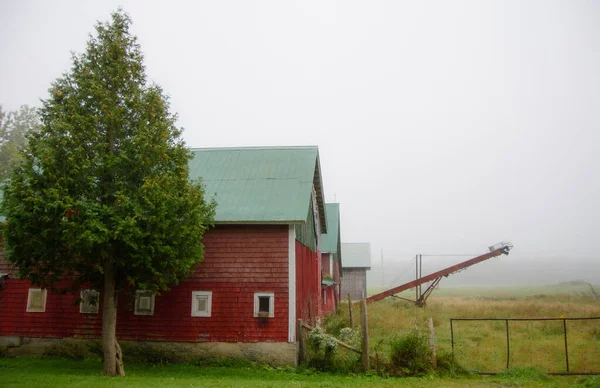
[365,336]
[432,343]
[350,311]
[300,335]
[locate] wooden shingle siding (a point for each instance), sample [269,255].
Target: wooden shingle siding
[354,283]
[308,283]
[239,261]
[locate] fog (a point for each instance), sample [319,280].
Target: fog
[443,127]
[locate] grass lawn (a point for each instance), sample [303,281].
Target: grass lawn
[35,372]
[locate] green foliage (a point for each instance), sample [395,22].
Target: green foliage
[164,354]
[447,366]
[324,354]
[14,129]
[73,350]
[105,179]
[410,355]
[337,321]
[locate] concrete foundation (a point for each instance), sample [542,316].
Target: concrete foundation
[272,353]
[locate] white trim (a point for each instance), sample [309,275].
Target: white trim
[41,309]
[85,307]
[150,311]
[292,284]
[271,296]
[195,311]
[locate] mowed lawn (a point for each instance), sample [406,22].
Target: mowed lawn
[36,372]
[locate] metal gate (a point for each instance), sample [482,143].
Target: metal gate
[548,342]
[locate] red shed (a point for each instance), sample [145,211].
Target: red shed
[261,271]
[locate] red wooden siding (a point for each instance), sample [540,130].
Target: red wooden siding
[327,293]
[239,261]
[325,264]
[328,299]
[308,283]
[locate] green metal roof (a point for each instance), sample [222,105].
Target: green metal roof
[260,184]
[330,240]
[327,282]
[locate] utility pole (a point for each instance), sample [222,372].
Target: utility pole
[382,271]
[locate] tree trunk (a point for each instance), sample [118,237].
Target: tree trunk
[113,363]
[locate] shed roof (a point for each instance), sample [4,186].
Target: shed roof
[356,255]
[329,240]
[260,184]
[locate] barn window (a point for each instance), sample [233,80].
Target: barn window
[264,304]
[90,301]
[201,303]
[36,300]
[144,302]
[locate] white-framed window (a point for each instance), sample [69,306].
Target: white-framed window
[36,300]
[264,304]
[201,303]
[144,302]
[90,302]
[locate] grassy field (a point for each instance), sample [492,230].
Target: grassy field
[478,347]
[481,346]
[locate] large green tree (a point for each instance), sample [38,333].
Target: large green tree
[102,195]
[14,128]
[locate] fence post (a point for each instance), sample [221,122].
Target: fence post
[452,338]
[365,336]
[566,348]
[300,334]
[350,311]
[432,343]
[507,346]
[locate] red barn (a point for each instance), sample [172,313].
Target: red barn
[261,270]
[331,259]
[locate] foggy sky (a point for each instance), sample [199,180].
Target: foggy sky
[443,127]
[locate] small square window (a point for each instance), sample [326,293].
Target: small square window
[201,303]
[36,300]
[144,302]
[264,304]
[90,302]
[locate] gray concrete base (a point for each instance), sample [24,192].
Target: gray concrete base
[272,353]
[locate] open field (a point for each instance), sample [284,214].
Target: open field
[481,346]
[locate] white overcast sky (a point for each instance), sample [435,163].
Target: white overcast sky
[443,126]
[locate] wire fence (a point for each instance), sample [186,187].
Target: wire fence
[559,346]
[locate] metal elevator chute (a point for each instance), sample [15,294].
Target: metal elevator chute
[495,250]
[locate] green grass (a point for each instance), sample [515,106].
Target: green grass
[35,372]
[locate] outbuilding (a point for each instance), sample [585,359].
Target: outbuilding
[357,261]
